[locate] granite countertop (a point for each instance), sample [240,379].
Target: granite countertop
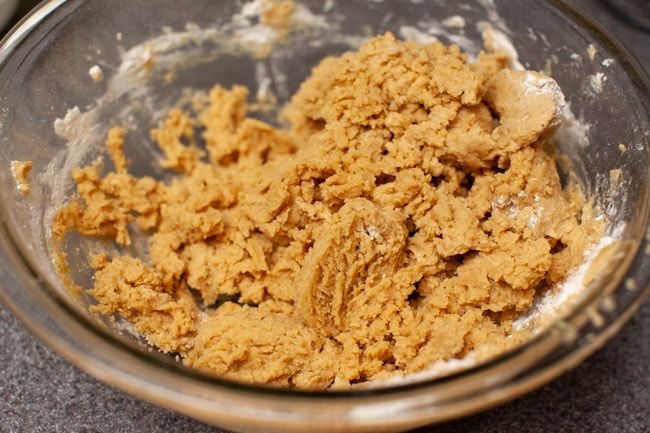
[609,392]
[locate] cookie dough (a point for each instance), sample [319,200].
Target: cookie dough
[408,214]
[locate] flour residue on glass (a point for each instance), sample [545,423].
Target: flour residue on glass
[553,304]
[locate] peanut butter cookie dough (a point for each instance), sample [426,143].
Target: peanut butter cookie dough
[409,214]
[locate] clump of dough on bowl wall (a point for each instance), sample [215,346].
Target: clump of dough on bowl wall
[297,215]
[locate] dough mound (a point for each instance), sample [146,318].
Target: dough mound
[407,215]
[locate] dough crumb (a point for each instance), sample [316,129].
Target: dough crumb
[407,217]
[20,171]
[592,51]
[96,73]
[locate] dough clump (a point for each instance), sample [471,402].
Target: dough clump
[407,215]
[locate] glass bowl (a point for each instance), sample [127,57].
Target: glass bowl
[71,69]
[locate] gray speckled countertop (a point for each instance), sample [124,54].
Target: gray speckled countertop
[609,392]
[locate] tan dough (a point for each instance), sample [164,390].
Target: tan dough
[397,223]
[20,170]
